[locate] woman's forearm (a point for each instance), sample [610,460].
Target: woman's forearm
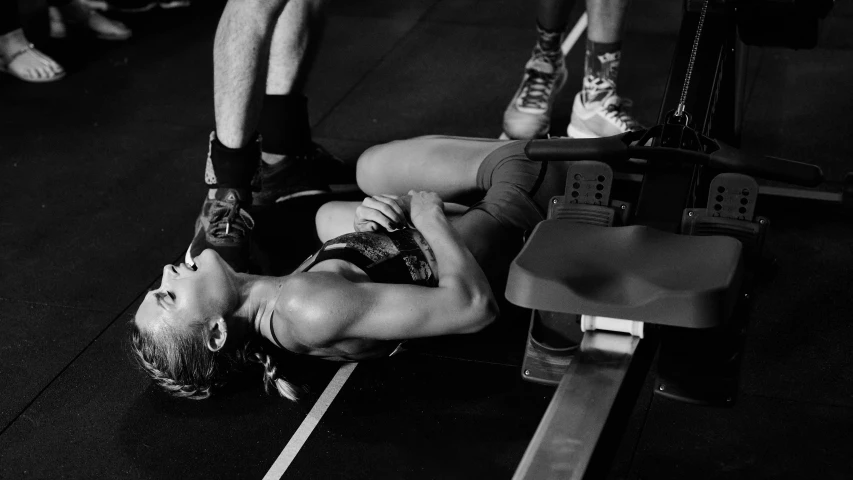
[452,256]
[458,272]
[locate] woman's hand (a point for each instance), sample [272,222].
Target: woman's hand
[382,212]
[424,203]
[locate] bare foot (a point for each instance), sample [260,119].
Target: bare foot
[18,57]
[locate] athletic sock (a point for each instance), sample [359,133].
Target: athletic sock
[284,127]
[601,67]
[549,42]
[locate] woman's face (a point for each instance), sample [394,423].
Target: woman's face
[187,295]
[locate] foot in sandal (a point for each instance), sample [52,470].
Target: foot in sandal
[80,17]
[19,58]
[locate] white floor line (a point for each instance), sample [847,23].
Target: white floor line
[575,34]
[311,420]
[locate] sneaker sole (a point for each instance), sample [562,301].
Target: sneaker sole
[305,193]
[574,132]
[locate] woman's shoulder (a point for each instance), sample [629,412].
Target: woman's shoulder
[317,306]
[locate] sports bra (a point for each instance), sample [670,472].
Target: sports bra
[386,257]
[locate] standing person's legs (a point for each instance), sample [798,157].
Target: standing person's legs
[241,52]
[606,20]
[528,114]
[293,165]
[598,111]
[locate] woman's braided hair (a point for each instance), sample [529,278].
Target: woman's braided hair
[182,365]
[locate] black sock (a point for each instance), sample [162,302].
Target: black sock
[284,125]
[231,167]
[601,67]
[549,40]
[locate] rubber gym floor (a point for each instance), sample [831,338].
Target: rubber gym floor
[101,180]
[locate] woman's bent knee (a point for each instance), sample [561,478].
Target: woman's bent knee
[370,165]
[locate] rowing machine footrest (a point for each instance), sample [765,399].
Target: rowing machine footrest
[587,197]
[730,212]
[616,214]
[552,341]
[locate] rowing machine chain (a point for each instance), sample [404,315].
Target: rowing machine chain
[680,109]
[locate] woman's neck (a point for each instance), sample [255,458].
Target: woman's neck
[258,295]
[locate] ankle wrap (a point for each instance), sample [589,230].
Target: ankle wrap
[231,167]
[284,125]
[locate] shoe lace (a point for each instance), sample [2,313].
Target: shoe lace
[615,109]
[538,84]
[228,220]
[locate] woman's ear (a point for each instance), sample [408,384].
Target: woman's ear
[217,334]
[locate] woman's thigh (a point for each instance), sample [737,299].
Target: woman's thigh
[442,164]
[334,219]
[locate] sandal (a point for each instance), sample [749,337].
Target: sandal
[35,56]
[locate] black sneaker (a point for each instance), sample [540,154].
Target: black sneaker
[339,175]
[317,173]
[225,226]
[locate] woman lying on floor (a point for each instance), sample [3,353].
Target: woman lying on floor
[397,266]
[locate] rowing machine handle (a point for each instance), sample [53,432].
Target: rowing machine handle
[608,149]
[730,159]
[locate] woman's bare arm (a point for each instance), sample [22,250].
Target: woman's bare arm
[321,308]
[336,218]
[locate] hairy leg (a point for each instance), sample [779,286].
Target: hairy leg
[606,19]
[240,58]
[293,47]
[442,164]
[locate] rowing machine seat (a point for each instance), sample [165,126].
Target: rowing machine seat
[633,273]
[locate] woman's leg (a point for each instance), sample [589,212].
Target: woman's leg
[442,164]
[517,190]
